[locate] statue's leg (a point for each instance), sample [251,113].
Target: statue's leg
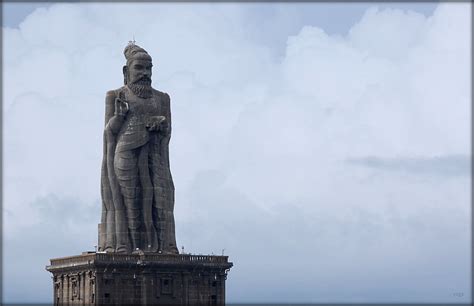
[170,239]
[163,205]
[117,229]
[170,225]
[102,228]
[121,231]
[105,192]
[107,241]
[151,243]
[157,168]
[107,225]
[159,224]
[126,169]
[110,192]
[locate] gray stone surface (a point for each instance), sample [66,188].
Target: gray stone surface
[137,262]
[145,279]
[136,185]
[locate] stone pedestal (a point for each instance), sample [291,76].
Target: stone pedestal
[146,279]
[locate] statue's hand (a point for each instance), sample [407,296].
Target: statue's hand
[165,128]
[155,122]
[121,107]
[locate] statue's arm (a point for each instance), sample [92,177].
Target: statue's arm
[109,105]
[168,115]
[115,111]
[167,129]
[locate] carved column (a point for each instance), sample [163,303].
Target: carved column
[147,289]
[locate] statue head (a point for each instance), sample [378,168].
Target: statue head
[137,71]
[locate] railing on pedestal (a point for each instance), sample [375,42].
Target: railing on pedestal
[133,258]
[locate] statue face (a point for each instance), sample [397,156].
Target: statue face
[139,72]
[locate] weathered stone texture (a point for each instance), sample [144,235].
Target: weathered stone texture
[121,279]
[137,262]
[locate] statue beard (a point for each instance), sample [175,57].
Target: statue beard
[142,88]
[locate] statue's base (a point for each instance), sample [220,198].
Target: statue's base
[146,279]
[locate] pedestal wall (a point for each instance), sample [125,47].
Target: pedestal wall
[146,279]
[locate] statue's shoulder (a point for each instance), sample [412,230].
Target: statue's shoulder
[162,95]
[114,93]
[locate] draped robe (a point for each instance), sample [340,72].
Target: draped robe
[136,185]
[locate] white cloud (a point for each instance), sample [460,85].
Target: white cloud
[393,32]
[261,145]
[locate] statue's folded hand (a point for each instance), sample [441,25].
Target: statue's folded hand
[154,123]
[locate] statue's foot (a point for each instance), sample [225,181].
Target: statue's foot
[172,250]
[122,250]
[137,251]
[109,250]
[151,249]
[169,251]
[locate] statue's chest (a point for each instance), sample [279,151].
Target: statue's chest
[143,108]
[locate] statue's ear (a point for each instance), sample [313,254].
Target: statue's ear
[125,74]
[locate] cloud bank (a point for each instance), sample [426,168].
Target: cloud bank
[321,169]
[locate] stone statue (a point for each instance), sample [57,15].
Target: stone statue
[136,186]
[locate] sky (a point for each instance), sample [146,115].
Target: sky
[325,148]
